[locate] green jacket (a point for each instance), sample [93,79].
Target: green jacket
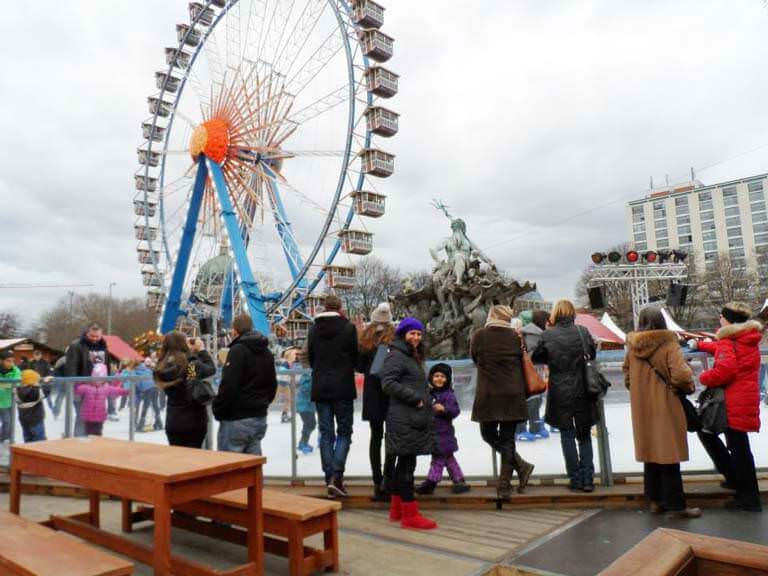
[5,387]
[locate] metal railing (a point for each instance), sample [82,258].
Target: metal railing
[465,376]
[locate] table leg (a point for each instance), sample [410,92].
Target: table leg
[95,508]
[331,540]
[296,550]
[162,553]
[126,509]
[256,524]
[15,488]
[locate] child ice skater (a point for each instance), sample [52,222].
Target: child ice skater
[445,408]
[93,410]
[29,400]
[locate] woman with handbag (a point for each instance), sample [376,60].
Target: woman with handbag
[655,373]
[186,421]
[564,348]
[499,404]
[380,332]
[736,369]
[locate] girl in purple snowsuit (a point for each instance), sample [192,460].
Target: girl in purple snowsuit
[445,408]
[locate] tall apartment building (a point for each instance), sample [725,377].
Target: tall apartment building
[725,218]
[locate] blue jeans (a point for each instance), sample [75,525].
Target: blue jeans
[243,435]
[34,433]
[578,463]
[5,421]
[334,447]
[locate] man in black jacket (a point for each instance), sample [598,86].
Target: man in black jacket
[248,386]
[82,354]
[332,352]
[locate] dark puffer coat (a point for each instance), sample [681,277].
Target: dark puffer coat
[500,393]
[562,351]
[375,401]
[332,352]
[409,428]
[248,379]
[183,416]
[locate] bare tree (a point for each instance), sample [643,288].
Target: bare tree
[375,282]
[10,325]
[66,320]
[727,280]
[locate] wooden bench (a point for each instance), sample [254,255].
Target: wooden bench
[291,518]
[668,552]
[31,549]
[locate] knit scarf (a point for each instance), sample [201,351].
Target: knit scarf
[498,324]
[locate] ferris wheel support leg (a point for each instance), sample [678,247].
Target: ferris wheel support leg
[248,283]
[171,311]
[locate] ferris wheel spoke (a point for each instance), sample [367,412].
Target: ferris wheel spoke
[301,32]
[232,31]
[321,105]
[319,59]
[282,14]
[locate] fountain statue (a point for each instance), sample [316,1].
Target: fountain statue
[464,284]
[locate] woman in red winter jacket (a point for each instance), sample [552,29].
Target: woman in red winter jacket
[737,366]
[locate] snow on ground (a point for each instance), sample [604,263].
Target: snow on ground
[474,455]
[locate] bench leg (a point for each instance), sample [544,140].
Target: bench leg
[331,540]
[15,496]
[161,561]
[126,510]
[296,550]
[95,508]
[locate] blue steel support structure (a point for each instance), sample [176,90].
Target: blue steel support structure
[173,303]
[248,283]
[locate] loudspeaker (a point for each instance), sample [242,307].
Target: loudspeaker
[677,294]
[206,325]
[596,297]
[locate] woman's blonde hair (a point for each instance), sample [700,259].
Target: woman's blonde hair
[563,310]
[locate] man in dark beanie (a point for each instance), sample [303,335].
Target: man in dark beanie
[332,355]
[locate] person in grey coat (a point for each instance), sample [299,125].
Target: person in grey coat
[531,335]
[409,419]
[569,408]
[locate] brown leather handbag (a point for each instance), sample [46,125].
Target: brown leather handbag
[534,383]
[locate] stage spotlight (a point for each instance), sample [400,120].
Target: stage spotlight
[632,256]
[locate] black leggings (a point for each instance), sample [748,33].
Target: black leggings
[404,468]
[374,454]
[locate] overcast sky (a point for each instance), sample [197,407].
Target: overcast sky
[535,121]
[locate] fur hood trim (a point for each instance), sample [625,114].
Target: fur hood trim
[734,330]
[644,344]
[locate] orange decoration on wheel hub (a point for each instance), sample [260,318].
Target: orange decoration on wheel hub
[212,139]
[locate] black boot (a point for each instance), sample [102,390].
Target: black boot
[426,487]
[524,471]
[503,486]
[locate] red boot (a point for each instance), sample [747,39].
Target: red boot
[412,518]
[395,509]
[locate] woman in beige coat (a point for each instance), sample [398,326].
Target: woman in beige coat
[656,374]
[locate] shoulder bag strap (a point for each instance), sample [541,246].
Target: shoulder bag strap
[583,343]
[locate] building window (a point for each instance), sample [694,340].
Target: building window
[684,229]
[729,196]
[709,235]
[683,219]
[759,217]
[733,232]
[662,243]
[681,205]
[733,221]
[735,242]
[755,186]
[662,233]
[757,196]
[761,239]
[685,240]
[640,246]
[707,215]
[710,246]
[757,228]
[641,237]
[732,211]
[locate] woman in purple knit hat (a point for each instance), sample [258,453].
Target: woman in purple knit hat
[409,419]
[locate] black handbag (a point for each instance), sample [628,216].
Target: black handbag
[200,391]
[714,419]
[692,419]
[595,382]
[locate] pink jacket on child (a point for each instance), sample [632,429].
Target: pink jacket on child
[94,405]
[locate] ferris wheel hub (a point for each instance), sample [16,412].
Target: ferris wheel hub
[212,139]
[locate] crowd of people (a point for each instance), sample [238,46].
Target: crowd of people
[411,410]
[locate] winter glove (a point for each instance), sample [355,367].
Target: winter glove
[693,344]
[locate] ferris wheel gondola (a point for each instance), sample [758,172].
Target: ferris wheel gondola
[259,155]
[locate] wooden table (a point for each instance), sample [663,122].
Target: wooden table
[163,476]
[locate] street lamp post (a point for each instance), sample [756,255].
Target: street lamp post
[109,308]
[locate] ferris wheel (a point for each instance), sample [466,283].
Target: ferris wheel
[258,163]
